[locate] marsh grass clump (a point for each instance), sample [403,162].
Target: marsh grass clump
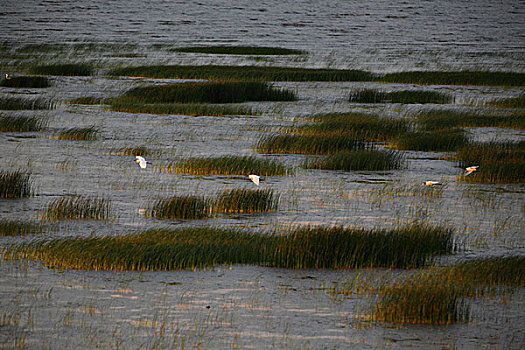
[25,82]
[19,227]
[89,100]
[21,123]
[77,207]
[239,50]
[511,102]
[132,151]
[308,144]
[22,103]
[245,201]
[405,96]
[426,141]
[444,120]
[364,159]
[81,134]
[228,165]
[182,109]
[66,69]
[206,92]
[15,184]
[180,207]
[455,78]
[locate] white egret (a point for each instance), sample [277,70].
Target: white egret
[432,183]
[141,162]
[469,170]
[7,77]
[255,179]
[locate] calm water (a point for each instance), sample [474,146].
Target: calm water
[247,306]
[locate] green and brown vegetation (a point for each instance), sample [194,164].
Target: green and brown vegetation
[363,159]
[19,227]
[180,207]
[89,100]
[455,78]
[308,144]
[21,123]
[442,120]
[15,184]
[427,141]
[132,151]
[239,50]
[63,69]
[404,96]
[25,82]
[22,103]
[245,201]
[77,207]
[81,134]
[511,102]
[182,108]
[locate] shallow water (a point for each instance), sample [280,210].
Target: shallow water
[251,307]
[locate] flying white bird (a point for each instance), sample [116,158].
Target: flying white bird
[255,179]
[432,183]
[7,77]
[141,162]
[469,170]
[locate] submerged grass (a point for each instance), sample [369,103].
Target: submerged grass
[513,102]
[365,159]
[245,201]
[19,228]
[441,120]
[239,50]
[21,123]
[228,165]
[191,247]
[182,109]
[78,207]
[66,69]
[308,144]
[15,184]
[405,96]
[21,103]
[81,134]
[25,82]
[427,141]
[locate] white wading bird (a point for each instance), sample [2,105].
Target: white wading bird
[7,77]
[469,170]
[255,179]
[141,162]
[432,183]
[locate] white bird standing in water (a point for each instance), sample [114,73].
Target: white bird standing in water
[255,179]
[432,183]
[7,77]
[141,162]
[469,170]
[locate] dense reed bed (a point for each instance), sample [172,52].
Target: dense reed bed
[22,103]
[442,120]
[180,207]
[368,127]
[21,123]
[512,102]
[437,296]
[364,159]
[426,141]
[192,247]
[205,92]
[81,134]
[78,207]
[19,228]
[25,82]
[66,69]
[404,96]
[245,201]
[455,78]
[239,50]
[497,161]
[15,184]
[182,109]
[228,165]
[308,144]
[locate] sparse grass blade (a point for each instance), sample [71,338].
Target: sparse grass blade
[15,184]
[66,69]
[25,82]
[78,207]
[21,123]
[366,159]
[82,134]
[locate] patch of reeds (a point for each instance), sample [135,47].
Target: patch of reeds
[455,78]
[246,201]
[180,207]
[66,69]
[205,92]
[77,207]
[369,127]
[426,141]
[132,151]
[363,159]
[239,50]
[81,134]
[22,103]
[228,165]
[25,82]
[442,120]
[200,247]
[182,109]
[18,227]
[497,161]
[15,184]
[512,102]
[308,144]
[405,96]
[89,100]
[21,123]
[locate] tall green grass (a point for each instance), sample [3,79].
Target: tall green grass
[77,207]
[405,96]
[455,78]
[25,82]
[200,247]
[182,108]
[365,159]
[15,184]
[512,102]
[65,69]
[89,100]
[18,227]
[228,165]
[239,50]
[21,123]
[205,92]
[442,120]
[82,134]
[308,144]
[426,141]
[245,201]
[22,103]
[132,151]
[180,207]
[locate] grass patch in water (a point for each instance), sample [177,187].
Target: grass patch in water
[180,207]
[455,78]
[21,123]
[15,184]
[441,120]
[512,102]
[25,82]
[65,69]
[245,201]
[78,207]
[132,151]
[89,100]
[426,141]
[239,50]
[18,227]
[201,247]
[81,134]
[405,96]
[364,159]
[308,144]
[228,165]
[498,161]
[182,109]
[22,103]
